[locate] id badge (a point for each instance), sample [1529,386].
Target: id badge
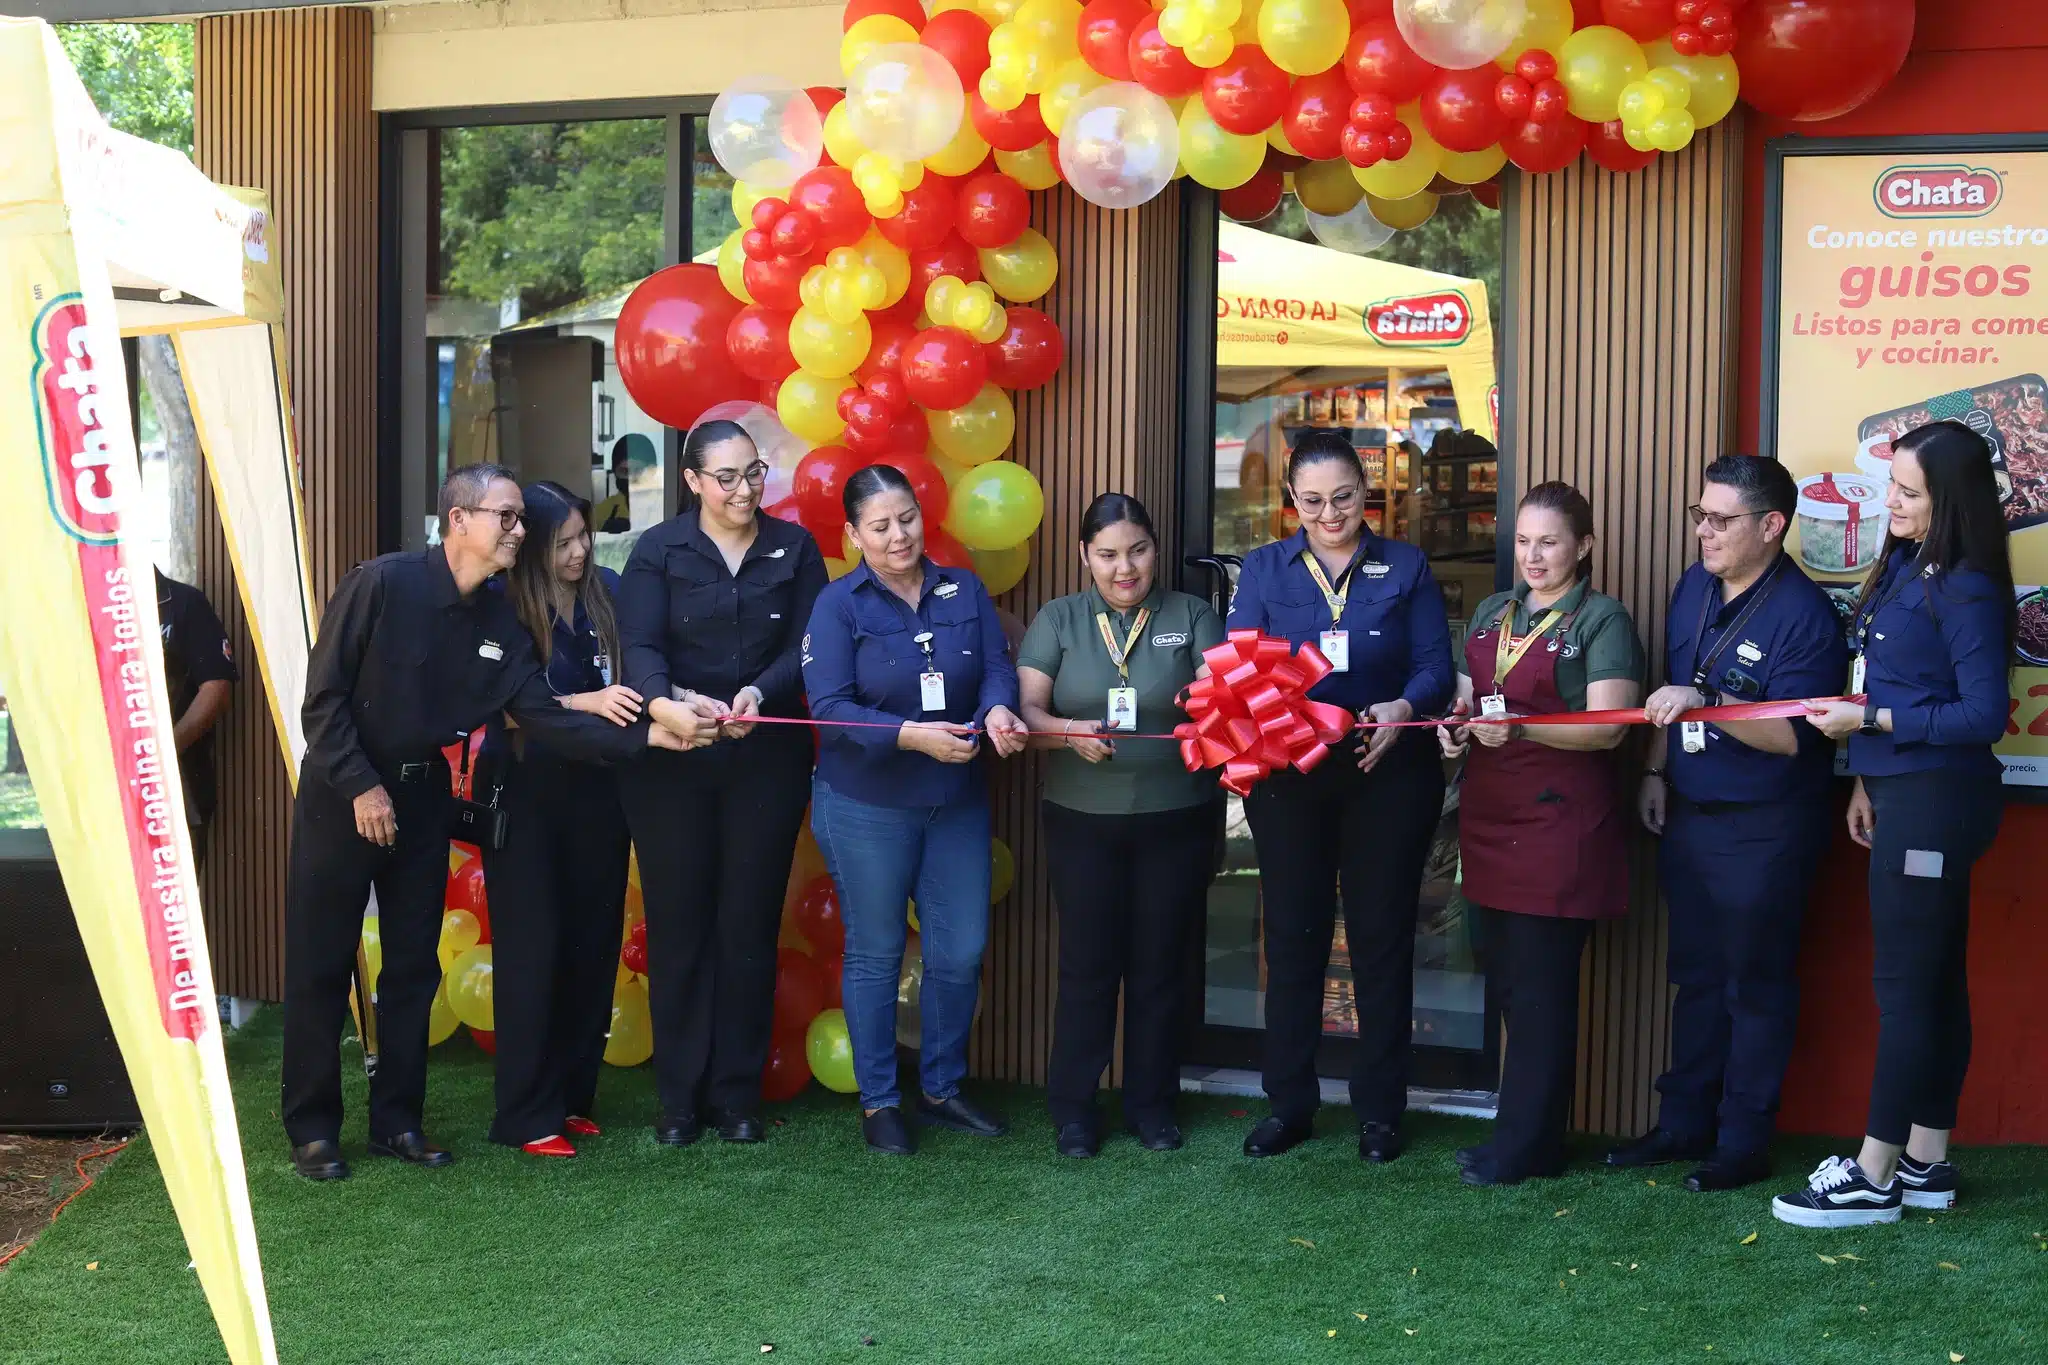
[1493,706]
[1856,671]
[1336,647]
[931,691]
[1693,735]
[1123,710]
[604,668]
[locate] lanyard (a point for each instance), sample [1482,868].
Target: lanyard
[1702,667]
[1511,650]
[1120,654]
[1334,597]
[1867,616]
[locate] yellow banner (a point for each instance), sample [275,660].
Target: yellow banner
[1907,296]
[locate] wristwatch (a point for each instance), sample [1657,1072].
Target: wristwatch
[1657,773]
[1870,725]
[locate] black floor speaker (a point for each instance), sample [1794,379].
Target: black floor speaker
[60,1069]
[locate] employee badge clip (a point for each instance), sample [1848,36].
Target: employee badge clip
[1493,706]
[1692,735]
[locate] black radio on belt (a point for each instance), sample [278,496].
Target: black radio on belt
[475,822]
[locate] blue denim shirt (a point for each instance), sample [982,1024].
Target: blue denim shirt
[862,662]
[1935,652]
[1789,646]
[1400,640]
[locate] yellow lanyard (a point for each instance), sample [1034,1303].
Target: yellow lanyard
[1119,654]
[1511,650]
[1334,597]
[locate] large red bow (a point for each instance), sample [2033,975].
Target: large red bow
[1252,714]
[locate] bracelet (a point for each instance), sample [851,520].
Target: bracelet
[1068,731]
[1657,773]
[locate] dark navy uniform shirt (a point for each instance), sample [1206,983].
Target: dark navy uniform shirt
[1935,652]
[576,661]
[195,653]
[1400,641]
[1778,640]
[862,663]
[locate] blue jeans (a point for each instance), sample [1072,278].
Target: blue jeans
[882,857]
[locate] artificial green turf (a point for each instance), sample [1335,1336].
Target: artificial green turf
[1003,1251]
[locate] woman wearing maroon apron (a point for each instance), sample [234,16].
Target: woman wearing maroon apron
[1542,820]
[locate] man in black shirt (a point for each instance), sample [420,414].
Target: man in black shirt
[412,654]
[199,672]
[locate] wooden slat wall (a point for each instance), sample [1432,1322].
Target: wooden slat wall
[1623,323]
[282,103]
[1105,424]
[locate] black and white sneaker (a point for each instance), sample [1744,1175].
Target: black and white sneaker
[1932,1186]
[1839,1195]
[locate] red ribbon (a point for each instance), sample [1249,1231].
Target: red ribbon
[1251,715]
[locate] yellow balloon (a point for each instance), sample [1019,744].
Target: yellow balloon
[731,267]
[997,11]
[978,430]
[1074,79]
[1671,83]
[951,468]
[868,34]
[1548,25]
[1715,81]
[633,867]
[636,905]
[992,330]
[839,568]
[965,152]
[996,505]
[441,1020]
[1211,50]
[1327,187]
[1469,168]
[840,142]
[808,405]
[1304,37]
[469,986]
[1640,102]
[827,348]
[1002,864]
[631,1039]
[1002,570]
[1002,88]
[1215,158]
[1276,138]
[890,259]
[373,956]
[460,931]
[1033,168]
[1669,131]
[1594,64]
[1402,214]
[1413,172]
[1024,270]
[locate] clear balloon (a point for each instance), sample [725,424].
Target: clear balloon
[1119,145]
[780,449]
[904,101]
[765,131]
[1355,230]
[996,505]
[866,34]
[1457,34]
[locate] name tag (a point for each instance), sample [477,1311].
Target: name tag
[1856,671]
[1693,735]
[1336,647]
[1493,706]
[1122,711]
[604,668]
[1748,652]
[489,649]
[945,589]
[931,691]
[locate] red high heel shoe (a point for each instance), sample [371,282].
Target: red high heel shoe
[580,1126]
[552,1145]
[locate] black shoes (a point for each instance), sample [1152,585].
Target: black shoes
[411,1148]
[1487,1169]
[1157,1135]
[741,1128]
[1656,1148]
[962,1117]
[1274,1136]
[1077,1140]
[320,1160]
[1378,1142]
[671,1131]
[887,1133]
[1468,1157]
[1730,1171]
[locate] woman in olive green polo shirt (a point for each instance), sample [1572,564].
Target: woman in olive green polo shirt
[1133,831]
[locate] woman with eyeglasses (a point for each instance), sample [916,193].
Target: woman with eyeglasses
[1367,814]
[712,609]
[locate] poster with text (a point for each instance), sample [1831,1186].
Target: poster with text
[1914,287]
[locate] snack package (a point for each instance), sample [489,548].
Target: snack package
[2012,414]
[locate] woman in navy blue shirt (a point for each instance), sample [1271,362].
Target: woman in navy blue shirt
[1932,639]
[910,659]
[558,887]
[1369,811]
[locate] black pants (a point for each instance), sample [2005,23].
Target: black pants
[1532,965]
[1931,828]
[1372,830]
[328,880]
[1130,891]
[558,905]
[715,830]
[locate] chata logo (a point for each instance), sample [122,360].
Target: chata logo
[64,385]
[1945,191]
[1428,320]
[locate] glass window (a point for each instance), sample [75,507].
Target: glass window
[1431,481]
[18,806]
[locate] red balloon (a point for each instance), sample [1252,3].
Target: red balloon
[1365,11]
[1028,353]
[1317,109]
[671,343]
[832,971]
[943,367]
[794,234]
[909,434]
[867,419]
[1587,13]
[823,97]
[909,11]
[833,203]
[466,888]
[758,245]
[943,550]
[788,1070]
[766,211]
[1487,192]
[799,995]
[1363,148]
[1256,197]
[1375,113]
[1247,94]
[633,953]
[1512,96]
[1817,59]
[786,509]
[758,342]
[888,338]
[1379,59]
[927,484]
[1105,33]
[774,284]
[888,386]
[1159,66]
[927,213]
[1535,65]
[1606,145]
[1007,130]
[1642,20]
[1540,148]
[961,37]
[486,1041]
[950,257]
[818,486]
[816,915]
[1459,110]
[992,209]
[1549,101]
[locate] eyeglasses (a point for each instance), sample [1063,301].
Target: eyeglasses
[729,479]
[508,517]
[1311,505]
[1718,521]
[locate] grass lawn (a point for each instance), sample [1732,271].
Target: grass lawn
[978,1251]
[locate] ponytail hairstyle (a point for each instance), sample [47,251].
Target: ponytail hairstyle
[1111,509]
[1320,447]
[1568,502]
[697,444]
[531,584]
[1965,524]
[871,482]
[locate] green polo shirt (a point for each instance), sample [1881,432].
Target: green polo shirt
[1598,643]
[1065,644]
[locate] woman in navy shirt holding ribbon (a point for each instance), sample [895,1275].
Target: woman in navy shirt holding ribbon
[904,662]
[1369,811]
[1932,641]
